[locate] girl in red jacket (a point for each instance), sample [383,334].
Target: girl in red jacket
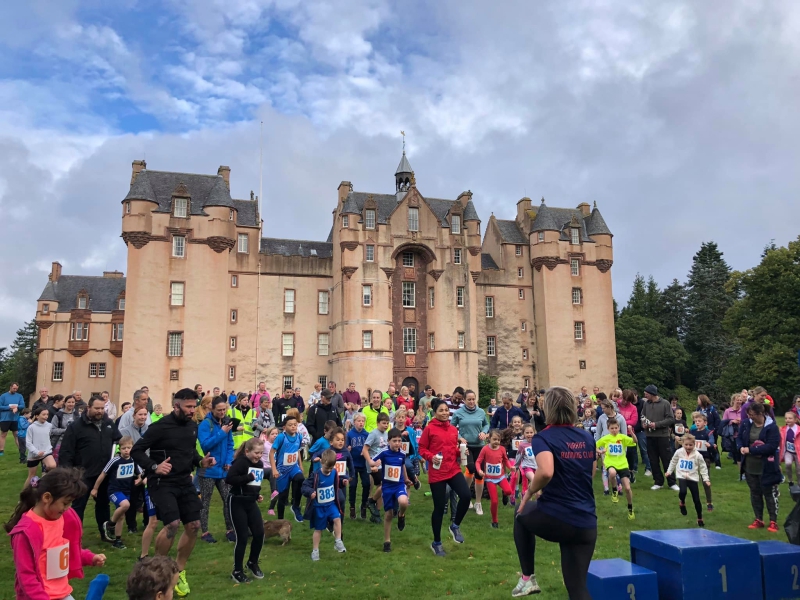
[439,447]
[46,537]
[492,464]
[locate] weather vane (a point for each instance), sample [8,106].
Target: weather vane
[403,133]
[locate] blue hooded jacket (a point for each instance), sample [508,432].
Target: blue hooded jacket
[215,441]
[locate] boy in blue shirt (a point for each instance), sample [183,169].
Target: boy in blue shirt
[322,444]
[284,459]
[121,473]
[324,505]
[355,444]
[392,463]
[23,422]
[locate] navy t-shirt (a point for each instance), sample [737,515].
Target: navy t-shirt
[356,439]
[392,468]
[569,495]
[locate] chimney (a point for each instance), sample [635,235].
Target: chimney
[138,167]
[523,206]
[112,274]
[226,174]
[344,188]
[464,197]
[55,272]
[585,209]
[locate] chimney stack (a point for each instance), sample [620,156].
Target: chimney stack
[112,274]
[465,197]
[345,188]
[138,167]
[225,172]
[55,272]
[585,209]
[523,206]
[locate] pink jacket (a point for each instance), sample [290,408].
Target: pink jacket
[628,411]
[26,543]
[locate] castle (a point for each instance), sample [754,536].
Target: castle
[404,289]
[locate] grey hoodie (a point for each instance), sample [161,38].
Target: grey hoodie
[602,426]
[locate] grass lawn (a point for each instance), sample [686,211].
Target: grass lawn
[485,566]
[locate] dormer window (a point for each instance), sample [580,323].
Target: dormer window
[455,224]
[121,304]
[83,302]
[369,218]
[575,236]
[180,208]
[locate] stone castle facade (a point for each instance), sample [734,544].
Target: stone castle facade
[406,288]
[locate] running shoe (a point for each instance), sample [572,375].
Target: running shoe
[718,467]
[363,514]
[376,519]
[631,515]
[757,524]
[271,512]
[2,453]
[339,546]
[773,527]
[513,500]
[455,531]
[701,523]
[709,507]
[656,487]
[257,573]
[231,536]
[606,492]
[298,516]
[683,509]
[438,550]
[525,588]
[495,526]
[417,484]
[401,523]
[471,505]
[315,555]
[133,530]
[614,496]
[648,473]
[108,531]
[674,487]
[352,512]
[208,538]
[505,500]
[633,477]
[478,509]
[240,577]
[118,544]
[182,587]
[387,546]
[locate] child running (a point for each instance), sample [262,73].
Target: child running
[46,537]
[268,437]
[408,446]
[788,451]
[705,444]
[376,442]
[37,442]
[245,477]
[344,467]
[355,444]
[392,464]
[120,472]
[612,447]
[492,464]
[23,423]
[324,506]
[689,467]
[526,460]
[512,437]
[284,457]
[322,444]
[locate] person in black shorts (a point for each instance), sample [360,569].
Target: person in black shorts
[172,458]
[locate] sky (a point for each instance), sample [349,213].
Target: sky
[678,118]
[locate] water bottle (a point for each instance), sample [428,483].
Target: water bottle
[437,461]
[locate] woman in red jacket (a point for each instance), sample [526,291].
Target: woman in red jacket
[439,446]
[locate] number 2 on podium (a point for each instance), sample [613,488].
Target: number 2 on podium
[724,572]
[795,573]
[632,591]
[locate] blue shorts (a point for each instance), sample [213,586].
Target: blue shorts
[118,497]
[322,514]
[149,507]
[285,478]
[390,496]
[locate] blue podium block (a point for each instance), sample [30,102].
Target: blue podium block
[697,563]
[614,579]
[780,568]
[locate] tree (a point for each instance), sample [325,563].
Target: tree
[637,303]
[673,310]
[765,324]
[487,389]
[652,299]
[645,354]
[20,364]
[707,300]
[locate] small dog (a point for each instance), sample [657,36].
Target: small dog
[281,527]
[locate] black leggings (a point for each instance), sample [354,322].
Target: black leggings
[295,486]
[246,518]
[577,546]
[693,487]
[439,492]
[363,474]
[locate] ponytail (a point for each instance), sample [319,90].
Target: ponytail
[61,482]
[248,446]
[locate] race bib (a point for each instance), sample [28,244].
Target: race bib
[702,445]
[326,495]
[392,473]
[790,447]
[58,561]
[529,452]
[290,458]
[404,447]
[515,445]
[259,476]
[494,470]
[615,449]
[680,430]
[685,466]
[125,471]
[341,467]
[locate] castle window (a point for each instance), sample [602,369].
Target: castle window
[457,256]
[455,224]
[178,246]
[518,250]
[409,294]
[575,236]
[230,215]
[526,382]
[231,372]
[180,207]
[234,281]
[460,296]
[370,253]
[288,301]
[176,293]
[366,294]
[323,381]
[79,332]
[489,307]
[175,343]
[121,304]
[491,346]
[233,343]
[431,297]
[432,341]
[524,354]
[45,308]
[408,259]
[520,272]
[581,364]
[97,370]
[461,340]
[322,344]
[369,218]
[288,381]
[83,301]
[244,243]
[409,340]
[234,315]
[541,236]
[578,330]
[173,375]
[116,332]
[413,219]
[58,371]
[346,221]
[287,344]
[577,296]
[575,266]
[521,294]
[523,326]
[366,340]
[322,305]
[128,208]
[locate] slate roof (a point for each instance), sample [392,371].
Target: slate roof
[103,292]
[404,166]
[304,248]
[510,232]
[595,224]
[559,219]
[487,262]
[158,186]
[246,213]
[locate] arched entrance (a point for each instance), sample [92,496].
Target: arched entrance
[408,382]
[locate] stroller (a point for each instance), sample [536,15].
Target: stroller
[792,524]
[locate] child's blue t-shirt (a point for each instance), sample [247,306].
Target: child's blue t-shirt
[121,474]
[355,441]
[409,443]
[287,452]
[316,450]
[326,490]
[22,426]
[392,464]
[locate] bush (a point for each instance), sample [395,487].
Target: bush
[487,389]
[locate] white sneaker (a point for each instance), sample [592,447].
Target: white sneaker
[656,487]
[718,468]
[315,555]
[471,504]
[675,488]
[648,473]
[525,588]
[478,508]
[339,545]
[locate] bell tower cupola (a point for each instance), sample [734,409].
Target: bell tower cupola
[403,175]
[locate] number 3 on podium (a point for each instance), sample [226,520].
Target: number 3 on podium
[632,591]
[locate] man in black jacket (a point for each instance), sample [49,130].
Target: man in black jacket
[319,414]
[88,443]
[173,456]
[281,404]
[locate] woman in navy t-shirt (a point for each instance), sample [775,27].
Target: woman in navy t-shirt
[565,512]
